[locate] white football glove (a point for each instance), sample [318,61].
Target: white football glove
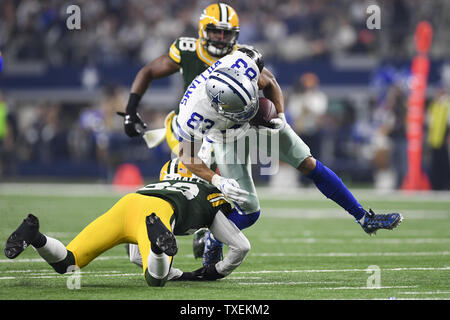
[230,189]
[278,123]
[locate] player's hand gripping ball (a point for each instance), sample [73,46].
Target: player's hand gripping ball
[266,112]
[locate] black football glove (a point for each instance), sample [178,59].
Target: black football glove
[133,124]
[208,273]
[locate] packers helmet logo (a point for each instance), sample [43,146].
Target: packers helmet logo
[218,29]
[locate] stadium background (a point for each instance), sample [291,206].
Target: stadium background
[60,88]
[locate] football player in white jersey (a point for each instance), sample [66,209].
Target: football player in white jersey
[217,106]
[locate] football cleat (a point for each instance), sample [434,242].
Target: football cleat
[198,243]
[160,237]
[372,222]
[24,235]
[213,250]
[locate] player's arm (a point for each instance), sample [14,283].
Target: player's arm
[188,155]
[229,187]
[272,91]
[161,67]
[238,248]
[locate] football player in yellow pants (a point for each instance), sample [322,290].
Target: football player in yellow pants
[125,222]
[180,204]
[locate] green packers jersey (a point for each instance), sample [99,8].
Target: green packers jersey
[195,202]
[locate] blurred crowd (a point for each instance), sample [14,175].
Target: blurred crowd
[78,141]
[138,30]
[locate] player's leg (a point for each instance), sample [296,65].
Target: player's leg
[295,152]
[231,164]
[171,137]
[133,254]
[50,249]
[152,225]
[105,232]
[233,161]
[100,235]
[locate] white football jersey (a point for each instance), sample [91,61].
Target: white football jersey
[197,119]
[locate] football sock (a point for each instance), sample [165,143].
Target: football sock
[158,267]
[135,255]
[55,253]
[333,188]
[243,221]
[52,251]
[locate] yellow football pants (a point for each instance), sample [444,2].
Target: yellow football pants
[123,223]
[171,138]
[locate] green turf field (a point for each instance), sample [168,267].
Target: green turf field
[303,247]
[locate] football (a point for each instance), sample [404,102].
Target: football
[266,112]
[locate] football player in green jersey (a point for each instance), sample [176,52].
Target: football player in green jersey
[218,34]
[150,218]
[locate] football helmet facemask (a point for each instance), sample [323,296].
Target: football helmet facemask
[232,94]
[218,29]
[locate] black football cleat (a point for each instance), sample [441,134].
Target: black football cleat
[24,235]
[161,239]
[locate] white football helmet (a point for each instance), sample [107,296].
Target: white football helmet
[232,94]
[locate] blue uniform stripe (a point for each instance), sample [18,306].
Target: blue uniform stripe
[232,88]
[237,82]
[183,135]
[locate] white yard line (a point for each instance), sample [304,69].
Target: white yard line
[424,292]
[263,254]
[350,254]
[277,283]
[356,240]
[92,190]
[367,288]
[28,274]
[42,260]
[340,270]
[338,213]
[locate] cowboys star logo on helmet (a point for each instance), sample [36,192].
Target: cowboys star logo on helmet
[216,98]
[239,94]
[218,29]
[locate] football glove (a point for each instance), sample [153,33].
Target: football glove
[208,273]
[230,189]
[133,124]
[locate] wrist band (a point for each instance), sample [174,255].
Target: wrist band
[133,103]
